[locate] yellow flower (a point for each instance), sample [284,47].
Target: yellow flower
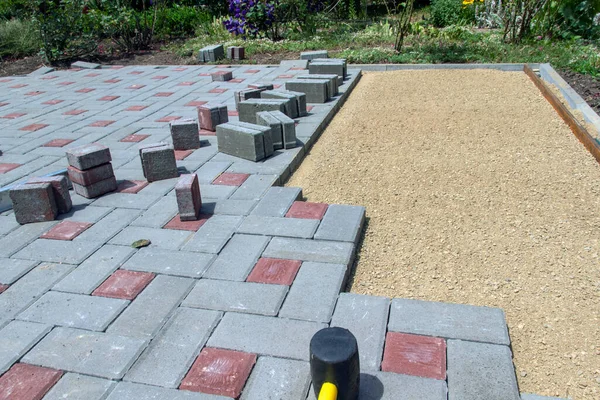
[467,2]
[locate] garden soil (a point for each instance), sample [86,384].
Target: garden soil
[477,193]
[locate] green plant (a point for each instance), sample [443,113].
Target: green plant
[404,25]
[518,18]
[180,21]
[18,38]
[445,12]
[14,9]
[569,18]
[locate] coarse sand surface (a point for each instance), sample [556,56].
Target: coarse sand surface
[477,193]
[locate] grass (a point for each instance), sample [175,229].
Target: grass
[374,44]
[18,38]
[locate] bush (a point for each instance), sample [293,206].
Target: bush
[445,12]
[18,38]
[128,29]
[180,21]
[14,9]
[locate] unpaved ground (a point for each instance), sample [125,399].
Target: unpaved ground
[477,193]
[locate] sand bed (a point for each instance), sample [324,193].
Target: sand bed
[476,192]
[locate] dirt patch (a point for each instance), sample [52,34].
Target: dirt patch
[476,193]
[586,86]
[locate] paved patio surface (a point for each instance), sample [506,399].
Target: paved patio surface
[223,308]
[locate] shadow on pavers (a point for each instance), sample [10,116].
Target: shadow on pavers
[359,244]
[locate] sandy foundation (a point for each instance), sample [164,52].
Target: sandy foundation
[477,193]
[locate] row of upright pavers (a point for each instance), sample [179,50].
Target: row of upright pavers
[216,52]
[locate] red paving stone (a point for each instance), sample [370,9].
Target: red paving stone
[133,138]
[136,108]
[307,210]
[66,230]
[128,186]
[217,90]
[91,75]
[232,113]
[182,154]
[252,71]
[58,143]
[135,86]
[414,355]
[284,76]
[5,167]
[5,80]
[196,103]
[13,115]
[124,284]
[168,118]
[136,72]
[108,98]
[177,224]
[160,77]
[163,94]
[74,112]
[21,85]
[230,179]
[3,288]
[33,127]
[36,93]
[85,90]
[66,83]
[274,271]
[101,124]
[180,69]
[236,80]
[276,86]
[3,104]
[53,102]
[204,74]
[112,81]
[27,382]
[297,69]
[117,67]
[185,83]
[219,371]
[309,108]
[204,132]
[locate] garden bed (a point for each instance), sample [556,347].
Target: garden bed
[477,193]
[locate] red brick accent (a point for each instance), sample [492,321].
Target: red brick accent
[13,115]
[163,94]
[160,77]
[307,210]
[230,179]
[5,167]
[275,271]
[127,186]
[53,102]
[85,90]
[179,69]
[20,85]
[112,81]
[135,86]
[236,80]
[285,76]
[93,74]
[182,154]
[135,108]
[66,83]
[185,83]
[101,124]
[204,132]
[136,72]
[66,230]
[232,113]
[309,108]
[276,86]
[74,112]
[27,382]
[217,90]
[124,284]
[117,67]
[92,175]
[33,127]
[48,77]
[168,118]
[3,104]
[204,74]
[3,288]
[133,138]
[36,93]
[177,224]
[58,143]
[196,103]
[252,71]
[415,355]
[219,371]
[108,98]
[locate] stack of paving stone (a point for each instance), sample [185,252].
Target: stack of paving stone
[248,109]
[41,199]
[245,140]
[211,115]
[158,161]
[296,101]
[324,78]
[211,53]
[337,66]
[283,128]
[316,54]
[90,170]
[236,53]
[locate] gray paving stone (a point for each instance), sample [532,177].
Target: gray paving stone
[278,226]
[108,226]
[168,239]
[342,223]
[528,396]
[59,251]
[159,214]
[366,317]
[314,292]
[391,386]
[85,212]
[85,65]
[136,391]
[12,269]
[278,337]
[228,207]
[254,187]
[16,339]
[237,258]
[21,236]
[480,371]
[310,250]
[91,353]
[80,387]
[127,200]
[170,355]
[277,201]
[29,288]
[211,170]
[152,308]
[93,271]
[8,223]
[214,234]
[452,321]
[277,379]
[93,313]
[219,192]
[244,297]
[170,262]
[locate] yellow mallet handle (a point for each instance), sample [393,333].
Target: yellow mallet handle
[328,392]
